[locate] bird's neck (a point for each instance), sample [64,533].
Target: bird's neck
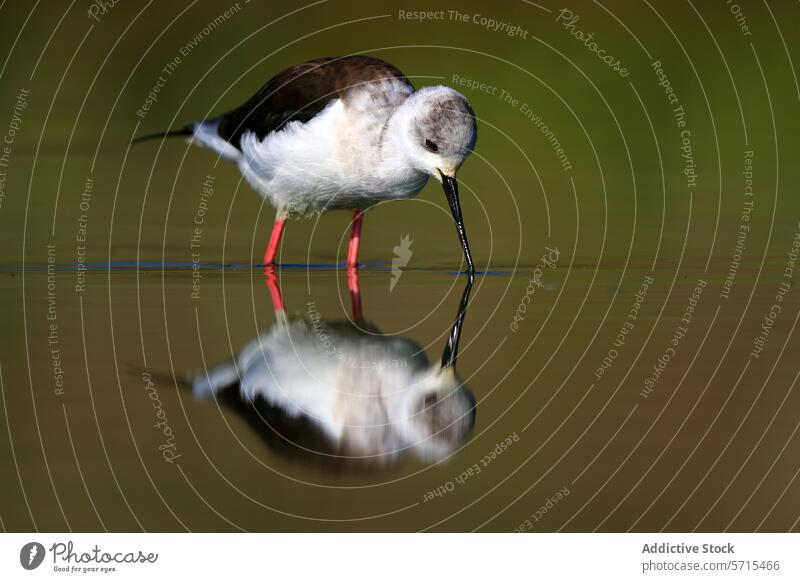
[394,161]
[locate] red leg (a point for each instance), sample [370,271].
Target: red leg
[274,240]
[355,293]
[355,238]
[271,279]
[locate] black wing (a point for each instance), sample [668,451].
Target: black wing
[297,439]
[300,92]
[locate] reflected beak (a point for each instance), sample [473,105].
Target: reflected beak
[451,190]
[450,354]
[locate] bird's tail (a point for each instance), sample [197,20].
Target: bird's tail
[210,381]
[185,131]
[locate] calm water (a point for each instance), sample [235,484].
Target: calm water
[600,439]
[629,340]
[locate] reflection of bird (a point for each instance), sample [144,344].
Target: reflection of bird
[341,394]
[342,133]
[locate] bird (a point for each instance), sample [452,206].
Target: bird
[342,133]
[341,395]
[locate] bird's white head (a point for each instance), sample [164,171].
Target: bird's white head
[440,131]
[437,133]
[438,414]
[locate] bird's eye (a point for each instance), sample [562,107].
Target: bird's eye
[430,146]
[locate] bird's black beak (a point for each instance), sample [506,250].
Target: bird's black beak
[451,190]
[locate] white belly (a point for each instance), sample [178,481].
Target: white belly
[327,163]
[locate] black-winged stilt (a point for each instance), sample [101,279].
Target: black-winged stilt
[342,133]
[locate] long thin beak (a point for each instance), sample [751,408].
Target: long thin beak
[451,190]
